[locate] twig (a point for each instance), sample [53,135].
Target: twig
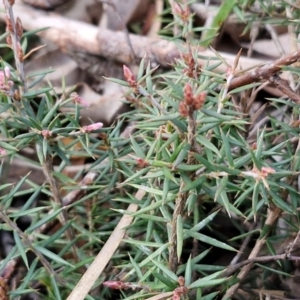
[110,3]
[273,215]
[69,199]
[182,196]
[15,31]
[283,85]
[242,248]
[74,36]
[156,22]
[178,211]
[262,259]
[264,72]
[28,242]
[54,187]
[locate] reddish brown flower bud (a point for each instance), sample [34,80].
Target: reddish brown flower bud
[91,127]
[192,69]
[77,99]
[20,52]
[254,146]
[188,72]
[115,285]
[19,27]
[130,78]
[185,57]
[199,100]
[9,26]
[9,41]
[186,14]
[3,289]
[295,123]
[183,14]
[2,152]
[181,281]
[181,290]
[46,133]
[189,60]
[265,171]
[142,163]
[17,95]
[183,109]
[177,9]
[11,2]
[175,296]
[188,94]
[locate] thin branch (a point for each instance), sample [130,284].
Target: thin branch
[28,243]
[265,72]
[273,215]
[262,259]
[71,35]
[243,247]
[78,36]
[70,198]
[15,33]
[54,187]
[110,3]
[182,196]
[284,87]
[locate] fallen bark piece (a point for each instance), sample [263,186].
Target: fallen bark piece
[71,35]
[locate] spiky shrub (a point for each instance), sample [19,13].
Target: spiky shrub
[199,189]
[199,173]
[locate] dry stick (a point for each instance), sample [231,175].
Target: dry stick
[273,215]
[294,243]
[243,247]
[284,86]
[78,36]
[95,269]
[182,196]
[109,2]
[178,210]
[262,259]
[264,72]
[72,196]
[54,187]
[15,43]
